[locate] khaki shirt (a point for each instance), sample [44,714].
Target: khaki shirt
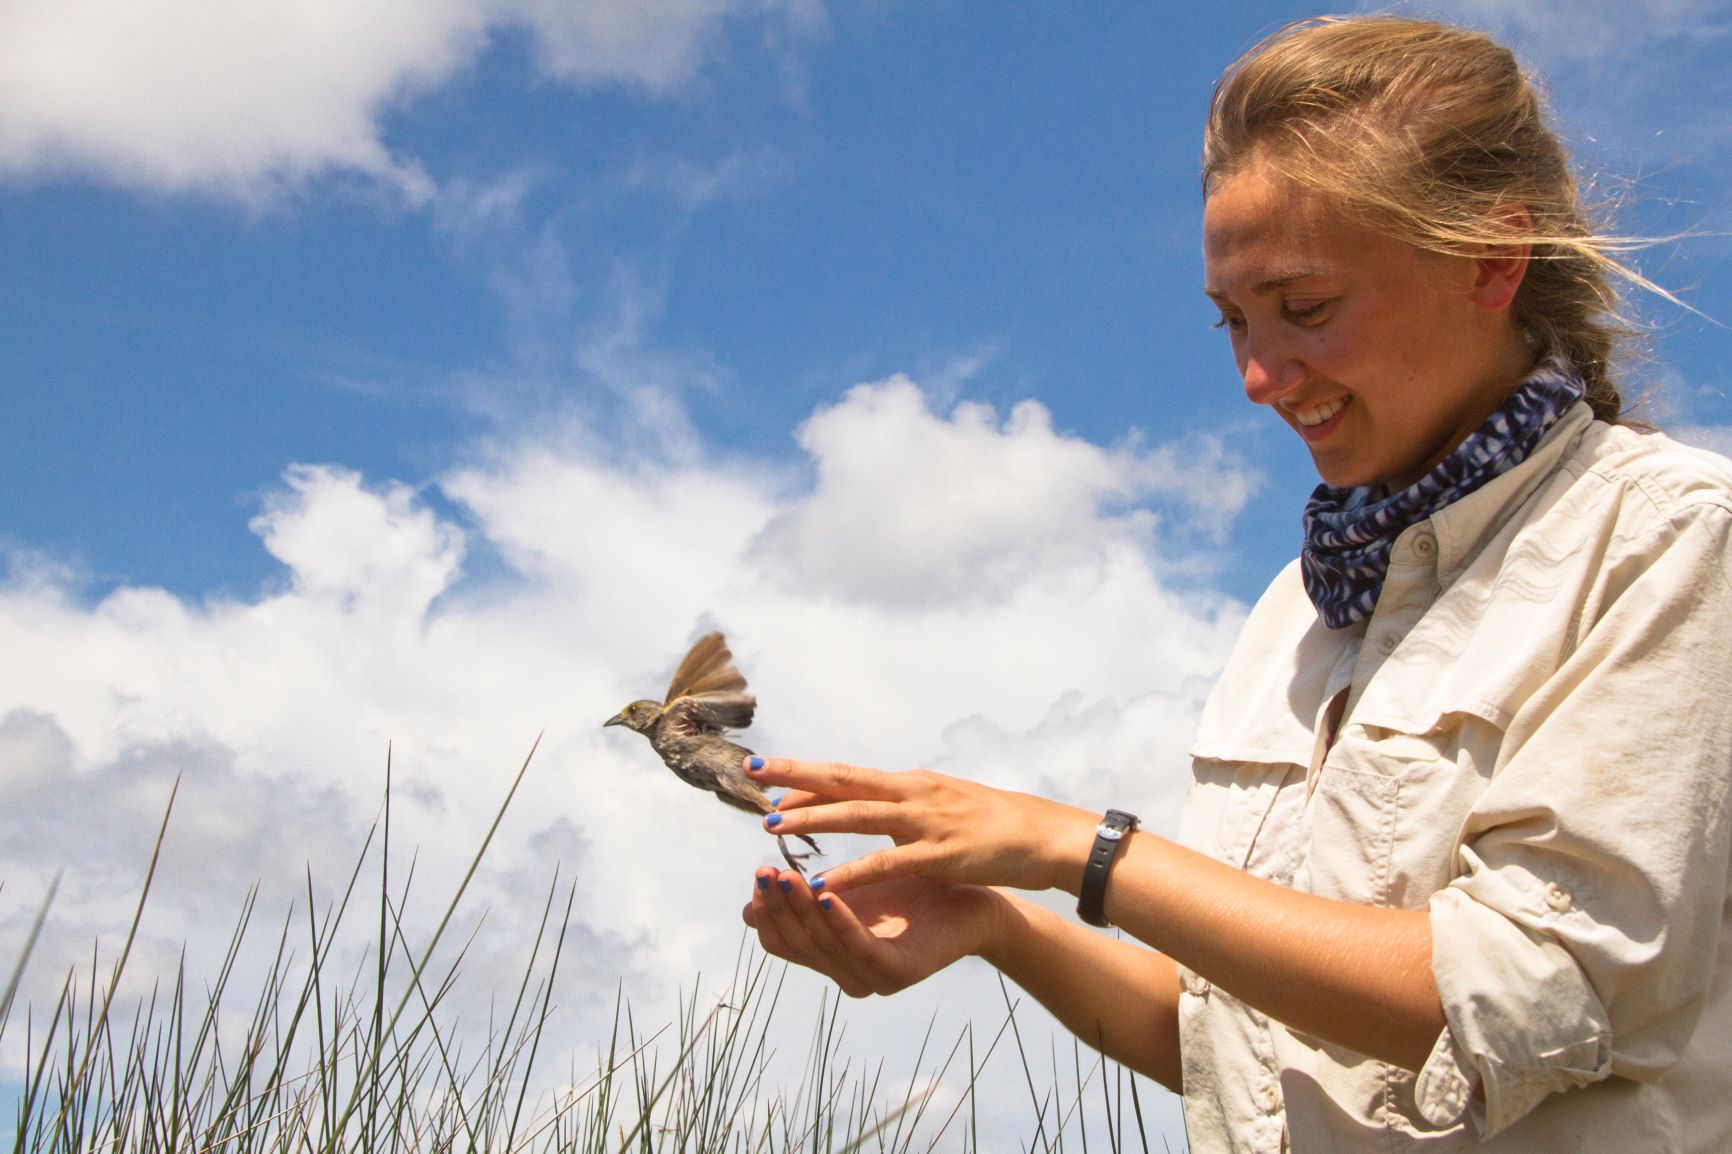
[1534,742]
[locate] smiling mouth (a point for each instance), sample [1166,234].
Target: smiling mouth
[1310,418]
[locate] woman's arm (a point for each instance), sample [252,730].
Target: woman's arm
[1113,994]
[1359,976]
[1355,975]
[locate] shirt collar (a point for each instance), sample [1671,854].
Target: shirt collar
[1461,526]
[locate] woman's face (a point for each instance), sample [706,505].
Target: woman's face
[1382,356]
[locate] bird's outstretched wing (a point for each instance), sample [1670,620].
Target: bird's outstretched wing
[707,692]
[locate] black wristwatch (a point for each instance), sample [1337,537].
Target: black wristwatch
[1091,903]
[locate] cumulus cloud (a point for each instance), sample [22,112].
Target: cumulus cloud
[95,825]
[339,541]
[910,509]
[243,96]
[48,810]
[872,594]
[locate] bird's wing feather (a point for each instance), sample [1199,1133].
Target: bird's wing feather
[707,690]
[711,712]
[707,668]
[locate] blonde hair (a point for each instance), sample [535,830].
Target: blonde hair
[1431,134]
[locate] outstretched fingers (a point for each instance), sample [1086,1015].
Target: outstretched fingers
[832,797]
[859,817]
[944,828]
[809,782]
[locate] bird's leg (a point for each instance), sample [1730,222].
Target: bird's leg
[793,859]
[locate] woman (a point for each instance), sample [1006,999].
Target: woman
[1454,869]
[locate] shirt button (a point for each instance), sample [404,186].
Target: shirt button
[1557,897]
[1386,644]
[1425,545]
[1268,1099]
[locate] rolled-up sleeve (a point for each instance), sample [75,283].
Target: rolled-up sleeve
[1578,938]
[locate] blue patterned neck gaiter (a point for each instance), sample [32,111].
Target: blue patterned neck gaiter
[1349,532]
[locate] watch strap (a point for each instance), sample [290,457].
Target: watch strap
[1091,901]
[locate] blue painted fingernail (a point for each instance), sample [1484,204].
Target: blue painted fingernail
[787,886]
[754,763]
[817,883]
[763,883]
[773,820]
[824,902]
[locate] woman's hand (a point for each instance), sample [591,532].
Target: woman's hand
[944,828]
[884,937]
[881,938]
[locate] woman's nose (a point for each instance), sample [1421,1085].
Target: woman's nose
[1270,371]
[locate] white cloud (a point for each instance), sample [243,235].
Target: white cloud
[245,96]
[1714,438]
[339,541]
[96,822]
[654,44]
[910,509]
[881,615]
[865,638]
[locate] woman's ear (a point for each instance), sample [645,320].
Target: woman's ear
[1499,269]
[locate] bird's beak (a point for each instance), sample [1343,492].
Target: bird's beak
[616,719]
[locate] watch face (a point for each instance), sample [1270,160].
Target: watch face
[1110,832]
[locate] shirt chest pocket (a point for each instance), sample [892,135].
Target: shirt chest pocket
[1387,809]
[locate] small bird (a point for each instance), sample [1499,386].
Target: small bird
[706,698]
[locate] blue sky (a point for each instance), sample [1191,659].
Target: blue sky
[432,373]
[1005,205]
[821,196]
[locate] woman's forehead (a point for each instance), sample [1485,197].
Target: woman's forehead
[1261,225]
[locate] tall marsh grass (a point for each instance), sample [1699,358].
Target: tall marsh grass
[316,1061]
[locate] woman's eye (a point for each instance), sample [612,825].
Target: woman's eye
[1309,311]
[1231,324]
